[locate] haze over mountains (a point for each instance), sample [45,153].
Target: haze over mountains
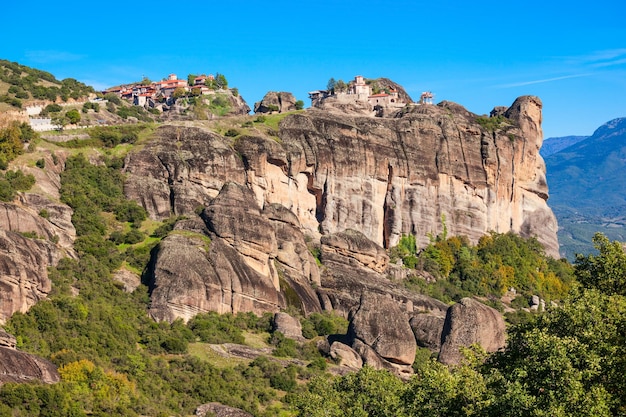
[587,185]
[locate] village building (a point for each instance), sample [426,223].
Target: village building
[359,91]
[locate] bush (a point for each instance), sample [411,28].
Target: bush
[41,163]
[231,133]
[215,328]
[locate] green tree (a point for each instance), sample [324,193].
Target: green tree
[570,361]
[299,105]
[330,85]
[220,81]
[73,116]
[605,271]
[179,92]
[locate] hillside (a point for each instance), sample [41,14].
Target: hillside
[587,188]
[20,85]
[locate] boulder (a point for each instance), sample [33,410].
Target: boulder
[289,326]
[427,329]
[7,340]
[345,355]
[273,101]
[20,367]
[382,326]
[467,322]
[357,248]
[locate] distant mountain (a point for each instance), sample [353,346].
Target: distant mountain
[553,145]
[587,183]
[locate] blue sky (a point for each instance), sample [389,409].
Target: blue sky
[478,54]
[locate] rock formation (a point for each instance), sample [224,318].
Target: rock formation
[289,326]
[47,223]
[468,322]
[230,262]
[18,367]
[379,331]
[273,101]
[381,177]
[23,271]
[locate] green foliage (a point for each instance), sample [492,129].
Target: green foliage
[73,116]
[497,263]
[220,105]
[285,347]
[24,79]
[365,393]
[231,133]
[299,105]
[134,111]
[492,124]
[13,181]
[321,324]
[113,98]
[212,327]
[91,106]
[12,140]
[40,163]
[569,361]
[111,136]
[606,271]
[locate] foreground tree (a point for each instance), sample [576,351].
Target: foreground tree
[605,271]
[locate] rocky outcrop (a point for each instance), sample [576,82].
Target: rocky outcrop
[230,263]
[181,169]
[219,410]
[355,248]
[381,177]
[37,215]
[23,271]
[344,279]
[468,322]
[19,367]
[379,331]
[47,223]
[273,101]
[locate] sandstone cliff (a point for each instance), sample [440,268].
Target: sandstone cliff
[35,232]
[381,177]
[352,185]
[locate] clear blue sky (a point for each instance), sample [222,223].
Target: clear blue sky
[478,54]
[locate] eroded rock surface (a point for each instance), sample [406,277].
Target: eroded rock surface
[273,101]
[23,271]
[18,367]
[229,262]
[384,328]
[381,177]
[220,410]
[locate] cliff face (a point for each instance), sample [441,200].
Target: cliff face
[24,260]
[381,177]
